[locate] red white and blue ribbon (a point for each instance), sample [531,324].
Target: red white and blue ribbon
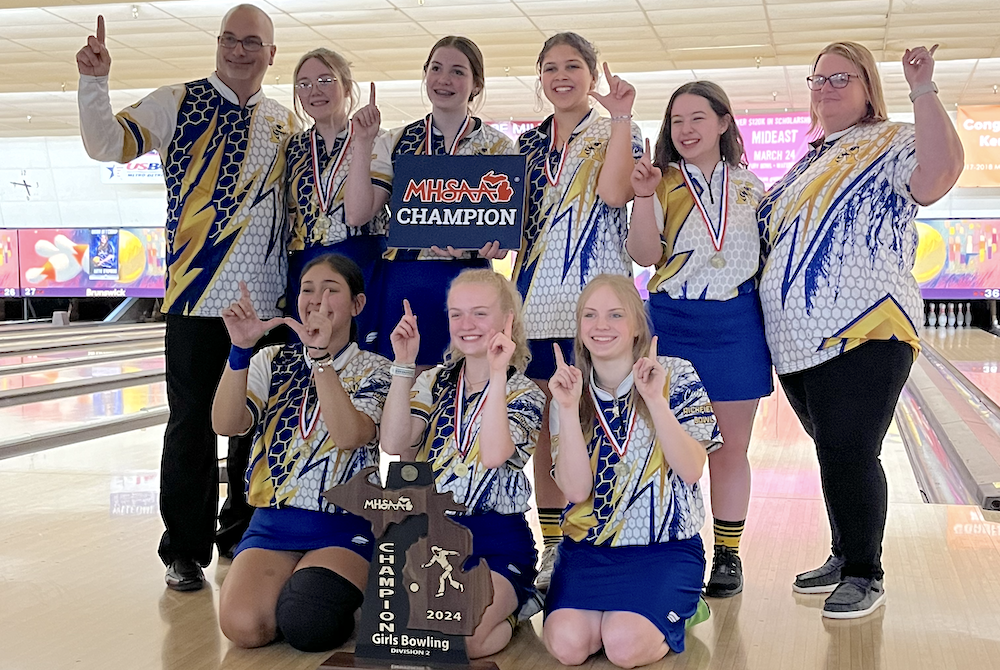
[429,127]
[554,179]
[718,236]
[324,192]
[464,442]
[619,447]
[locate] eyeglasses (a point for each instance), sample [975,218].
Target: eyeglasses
[250,44]
[838,80]
[322,83]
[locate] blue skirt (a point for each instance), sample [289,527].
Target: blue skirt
[293,529]
[661,582]
[723,340]
[366,251]
[425,284]
[505,541]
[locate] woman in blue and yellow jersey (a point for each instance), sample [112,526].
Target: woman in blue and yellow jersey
[630,432]
[475,419]
[578,184]
[695,220]
[317,162]
[841,307]
[454,76]
[313,408]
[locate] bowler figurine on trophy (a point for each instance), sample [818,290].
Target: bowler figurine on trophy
[419,603]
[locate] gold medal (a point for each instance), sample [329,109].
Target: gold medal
[718,261]
[621,470]
[461,469]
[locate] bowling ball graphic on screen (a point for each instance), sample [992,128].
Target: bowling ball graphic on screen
[931,254]
[131,257]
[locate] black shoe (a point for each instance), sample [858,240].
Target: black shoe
[183,574]
[726,579]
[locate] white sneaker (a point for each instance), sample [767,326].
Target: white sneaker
[545,568]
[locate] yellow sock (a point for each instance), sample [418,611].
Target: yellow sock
[728,533]
[548,517]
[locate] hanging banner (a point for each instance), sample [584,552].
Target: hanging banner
[979,131]
[774,143]
[146,169]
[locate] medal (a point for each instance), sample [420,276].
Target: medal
[718,237]
[463,442]
[620,470]
[324,192]
[454,145]
[620,448]
[461,469]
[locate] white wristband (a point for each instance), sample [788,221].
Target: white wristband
[929,87]
[403,370]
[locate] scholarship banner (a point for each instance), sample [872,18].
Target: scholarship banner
[958,259]
[84,262]
[10,283]
[458,201]
[979,131]
[774,143]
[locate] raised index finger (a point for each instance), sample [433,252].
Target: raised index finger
[100,28]
[652,347]
[371,99]
[244,291]
[607,72]
[508,327]
[647,153]
[406,307]
[931,51]
[560,361]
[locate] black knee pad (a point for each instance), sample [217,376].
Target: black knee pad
[315,609]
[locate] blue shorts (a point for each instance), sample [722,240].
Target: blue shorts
[505,541]
[293,529]
[543,360]
[661,582]
[425,284]
[723,340]
[366,251]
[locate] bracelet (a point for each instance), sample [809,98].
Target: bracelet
[403,370]
[239,358]
[929,87]
[645,196]
[321,363]
[622,118]
[309,346]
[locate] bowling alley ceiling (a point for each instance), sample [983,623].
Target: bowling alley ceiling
[759,50]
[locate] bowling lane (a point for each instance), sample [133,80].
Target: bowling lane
[80,371]
[75,411]
[974,352]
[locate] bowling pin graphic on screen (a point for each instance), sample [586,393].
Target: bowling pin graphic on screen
[65,260]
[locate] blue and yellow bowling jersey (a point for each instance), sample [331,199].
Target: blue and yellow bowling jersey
[686,269]
[840,241]
[637,498]
[310,227]
[570,234]
[293,459]
[223,165]
[505,489]
[479,140]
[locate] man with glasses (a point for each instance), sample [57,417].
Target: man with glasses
[222,147]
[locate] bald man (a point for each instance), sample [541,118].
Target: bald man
[222,147]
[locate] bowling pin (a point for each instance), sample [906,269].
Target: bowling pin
[951,315]
[968,315]
[959,317]
[942,319]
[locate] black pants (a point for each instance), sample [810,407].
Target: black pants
[845,405]
[196,349]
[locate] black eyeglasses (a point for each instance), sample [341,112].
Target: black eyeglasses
[838,80]
[249,43]
[321,83]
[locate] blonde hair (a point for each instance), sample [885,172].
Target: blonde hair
[510,303]
[340,68]
[862,59]
[625,291]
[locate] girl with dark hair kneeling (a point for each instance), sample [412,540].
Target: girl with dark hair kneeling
[313,408]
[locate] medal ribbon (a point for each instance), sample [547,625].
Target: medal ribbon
[463,443]
[307,425]
[325,192]
[620,448]
[718,239]
[554,180]
[428,129]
